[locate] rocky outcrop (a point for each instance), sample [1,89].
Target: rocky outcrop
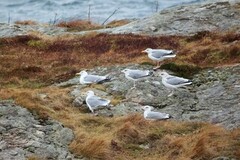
[23,136]
[188,19]
[213,97]
[7,30]
[212,15]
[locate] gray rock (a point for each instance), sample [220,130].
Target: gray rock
[213,97]
[23,136]
[188,19]
[79,101]
[16,30]
[65,136]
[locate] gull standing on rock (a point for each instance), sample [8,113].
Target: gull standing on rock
[94,102]
[151,115]
[134,75]
[86,78]
[159,55]
[173,82]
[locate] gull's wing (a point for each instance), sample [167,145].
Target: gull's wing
[160,53]
[157,115]
[173,80]
[136,74]
[95,101]
[94,78]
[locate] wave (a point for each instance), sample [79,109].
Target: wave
[71,3]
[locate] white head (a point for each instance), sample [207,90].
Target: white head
[147,108]
[163,74]
[148,50]
[125,70]
[82,73]
[90,93]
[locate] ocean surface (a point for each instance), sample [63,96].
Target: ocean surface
[49,10]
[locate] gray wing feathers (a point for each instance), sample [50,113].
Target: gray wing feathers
[95,101]
[138,74]
[159,54]
[177,80]
[94,78]
[157,115]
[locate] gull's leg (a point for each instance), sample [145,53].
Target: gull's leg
[170,93]
[134,85]
[158,66]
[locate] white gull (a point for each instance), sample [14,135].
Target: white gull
[94,102]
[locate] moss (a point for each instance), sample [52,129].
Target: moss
[216,57]
[198,36]
[184,70]
[39,44]
[117,99]
[133,147]
[147,63]
[99,87]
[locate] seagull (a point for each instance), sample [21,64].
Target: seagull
[94,102]
[151,115]
[86,78]
[159,55]
[173,82]
[132,74]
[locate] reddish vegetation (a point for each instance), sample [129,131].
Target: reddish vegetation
[31,61]
[47,60]
[79,25]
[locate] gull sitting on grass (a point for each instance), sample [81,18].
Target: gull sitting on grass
[86,78]
[151,115]
[134,75]
[159,55]
[173,82]
[95,102]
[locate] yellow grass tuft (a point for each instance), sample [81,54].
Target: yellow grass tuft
[95,147]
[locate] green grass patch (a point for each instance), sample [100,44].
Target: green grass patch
[39,44]
[184,70]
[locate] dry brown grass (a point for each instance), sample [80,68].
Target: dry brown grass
[79,25]
[43,61]
[30,63]
[121,137]
[26,22]
[117,23]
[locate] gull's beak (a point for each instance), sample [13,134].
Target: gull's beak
[144,51]
[78,73]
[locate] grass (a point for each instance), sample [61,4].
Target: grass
[78,25]
[117,23]
[30,64]
[85,25]
[26,22]
[121,137]
[45,60]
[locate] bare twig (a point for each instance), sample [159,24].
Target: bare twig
[9,18]
[89,13]
[110,16]
[157,5]
[55,19]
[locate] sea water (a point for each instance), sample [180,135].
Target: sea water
[97,10]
